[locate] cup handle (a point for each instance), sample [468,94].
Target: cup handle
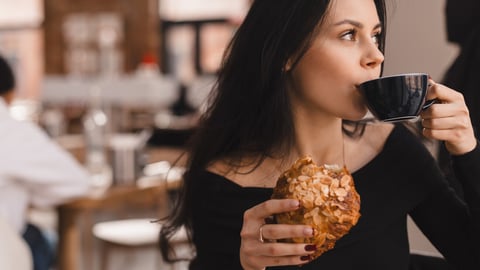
[429,103]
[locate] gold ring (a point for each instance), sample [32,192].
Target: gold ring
[260,237]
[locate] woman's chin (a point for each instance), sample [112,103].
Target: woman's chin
[357,116]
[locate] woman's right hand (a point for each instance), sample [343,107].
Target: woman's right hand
[259,247]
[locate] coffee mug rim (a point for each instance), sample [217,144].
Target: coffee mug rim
[397,75]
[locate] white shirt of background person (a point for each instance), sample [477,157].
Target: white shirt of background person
[34,170]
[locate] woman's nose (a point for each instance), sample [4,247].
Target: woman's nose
[373,57]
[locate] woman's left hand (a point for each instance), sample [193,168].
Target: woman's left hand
[448,120]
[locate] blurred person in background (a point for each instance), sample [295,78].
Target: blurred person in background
[14,252]
[34,172]
[463,29]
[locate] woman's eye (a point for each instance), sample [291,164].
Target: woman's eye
[349,35]
[376,38]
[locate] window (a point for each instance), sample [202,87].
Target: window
[195,34]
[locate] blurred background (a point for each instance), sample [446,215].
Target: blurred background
[60,47]
[147,66]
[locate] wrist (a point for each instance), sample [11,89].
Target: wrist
[461,148]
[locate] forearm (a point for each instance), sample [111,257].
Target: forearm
[467,170]
[51,175]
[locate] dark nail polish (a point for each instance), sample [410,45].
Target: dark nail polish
[305,258]
[310,248]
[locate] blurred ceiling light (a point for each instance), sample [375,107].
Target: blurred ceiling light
[21,13]
[201,9]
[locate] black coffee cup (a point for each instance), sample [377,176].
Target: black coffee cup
[398,97]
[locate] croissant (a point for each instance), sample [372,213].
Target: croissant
[328,199]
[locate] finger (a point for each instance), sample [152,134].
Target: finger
[286,260]
[431,90]
[453,117]
[273,254]
[285,249]
[270,207]
[443,93]
[456,131]
[446,123]
[285,231]
[438,134]
[451,128]
[456,111]
[255,217]
[261,261]
[440,110]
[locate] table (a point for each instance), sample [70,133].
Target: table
[114,200]
[117,198]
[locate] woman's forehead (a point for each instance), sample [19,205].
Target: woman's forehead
[363,11]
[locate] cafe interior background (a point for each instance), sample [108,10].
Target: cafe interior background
[144,68]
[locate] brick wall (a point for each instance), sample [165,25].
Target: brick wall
[140,20]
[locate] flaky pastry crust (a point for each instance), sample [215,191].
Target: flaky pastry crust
[328,199]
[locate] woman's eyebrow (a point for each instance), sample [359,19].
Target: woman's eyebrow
[355,23]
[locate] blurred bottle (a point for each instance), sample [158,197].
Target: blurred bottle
[53,121]
[110,36]
[95,131]
[148,68]
[181,107]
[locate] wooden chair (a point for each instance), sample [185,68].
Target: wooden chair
[130,235]
[77,244]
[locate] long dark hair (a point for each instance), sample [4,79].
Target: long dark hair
[7,78]
[249,112]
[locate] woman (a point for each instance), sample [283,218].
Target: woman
[288,88]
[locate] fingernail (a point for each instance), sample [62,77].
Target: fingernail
[305,258]
[310,247]
[295,204]
[308,231]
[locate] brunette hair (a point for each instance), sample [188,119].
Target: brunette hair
[7,78]
[249,111]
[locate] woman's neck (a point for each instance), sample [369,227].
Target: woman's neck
[323,141]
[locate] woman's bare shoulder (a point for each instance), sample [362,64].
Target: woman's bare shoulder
[220,167]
